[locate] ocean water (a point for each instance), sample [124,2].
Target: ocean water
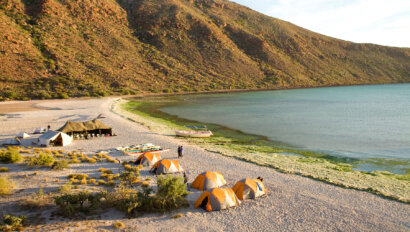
[363,122]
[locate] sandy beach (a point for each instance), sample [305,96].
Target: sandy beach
[293,203]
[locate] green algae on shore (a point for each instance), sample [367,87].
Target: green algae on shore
[259,150]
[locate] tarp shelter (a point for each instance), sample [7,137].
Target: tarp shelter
[208,180]
[148,159]
[54,138]
[23,135]
[89,127]
[73,128]
[39,130]
[97,127]
[217,199]
[249,189]
[166,166]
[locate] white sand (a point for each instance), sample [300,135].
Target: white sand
[294,203]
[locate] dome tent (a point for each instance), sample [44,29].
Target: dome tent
[217,199]
[166,166]
[249,189]
[208,180]
[148,159]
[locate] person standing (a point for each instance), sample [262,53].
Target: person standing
[180,151]
[185,178]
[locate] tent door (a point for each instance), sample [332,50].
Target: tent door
[204,202]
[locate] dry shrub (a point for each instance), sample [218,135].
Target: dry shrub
[4,169]
[103,175]
[6,186]
[83,181]
[92,181]
[58,155]
[180,215]
[13,223]
[74,181]
[91,160]
[111,183]
[78,176]
[118,225]
[74,161]
[35,173]
[144,183]
[25,151]
[102,182]
[66,188]
[104,170]
[36,201]
[59,165]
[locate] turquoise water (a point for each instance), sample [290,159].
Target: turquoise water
[362,122]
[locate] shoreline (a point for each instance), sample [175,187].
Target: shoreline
[293,202]
[381,183]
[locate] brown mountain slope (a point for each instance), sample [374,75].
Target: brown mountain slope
[54,48]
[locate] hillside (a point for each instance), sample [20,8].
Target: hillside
[57,49]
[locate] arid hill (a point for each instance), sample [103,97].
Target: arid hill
[57,49]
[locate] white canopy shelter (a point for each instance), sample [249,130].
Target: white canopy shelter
[23,135]
[39,130]
[55,138]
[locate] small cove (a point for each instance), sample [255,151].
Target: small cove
[369,124]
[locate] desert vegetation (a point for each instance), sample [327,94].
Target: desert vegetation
[55,49]
[80,194]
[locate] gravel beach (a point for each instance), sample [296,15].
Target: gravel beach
[293,203]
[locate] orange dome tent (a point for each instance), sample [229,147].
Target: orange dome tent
[217,199]
[249,189]
[148,159]
[166,166]
[208,180]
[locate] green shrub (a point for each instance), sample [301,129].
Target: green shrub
[10,156]
[4,169]
[42,159]
[59,165]
[171,193]
[12,223]
[6,186]
[84,202]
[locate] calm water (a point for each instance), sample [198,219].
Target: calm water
[357,121]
